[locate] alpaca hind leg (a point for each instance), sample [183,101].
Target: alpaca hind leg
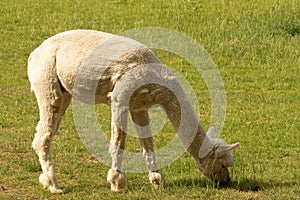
[65,102]
[52,104]
[142,126]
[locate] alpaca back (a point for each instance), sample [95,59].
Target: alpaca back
[88,63]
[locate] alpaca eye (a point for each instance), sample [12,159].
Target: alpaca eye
[223,167]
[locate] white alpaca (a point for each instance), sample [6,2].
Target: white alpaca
[97,67]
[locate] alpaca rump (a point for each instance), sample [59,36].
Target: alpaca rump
[97,67]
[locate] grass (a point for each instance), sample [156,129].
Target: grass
[255,45]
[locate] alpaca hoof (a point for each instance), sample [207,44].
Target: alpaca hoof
[116,179]
[55,190]
[45,181]
[114,188]
[156,179]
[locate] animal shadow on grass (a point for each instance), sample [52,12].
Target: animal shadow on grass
[253,185]
[243,185]
[86,187]
[240,184]
[190,182]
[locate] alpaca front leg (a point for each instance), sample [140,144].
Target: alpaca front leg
[155,177]
[143,129]
[115,176]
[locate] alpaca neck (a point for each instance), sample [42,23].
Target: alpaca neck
[186,123]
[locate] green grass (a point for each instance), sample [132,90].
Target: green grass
[255,45]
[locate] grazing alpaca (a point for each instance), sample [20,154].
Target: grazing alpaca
[97,67]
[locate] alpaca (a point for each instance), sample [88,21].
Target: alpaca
[96,67]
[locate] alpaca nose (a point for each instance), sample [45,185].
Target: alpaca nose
[224,181]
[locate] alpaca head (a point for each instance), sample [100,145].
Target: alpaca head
[215,159]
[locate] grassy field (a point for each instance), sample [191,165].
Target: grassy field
[255,45]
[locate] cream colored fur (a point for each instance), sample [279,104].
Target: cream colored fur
[53,70]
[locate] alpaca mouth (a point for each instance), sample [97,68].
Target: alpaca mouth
[222,182]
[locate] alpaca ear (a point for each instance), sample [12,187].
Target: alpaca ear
[211,132]
[225,148]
